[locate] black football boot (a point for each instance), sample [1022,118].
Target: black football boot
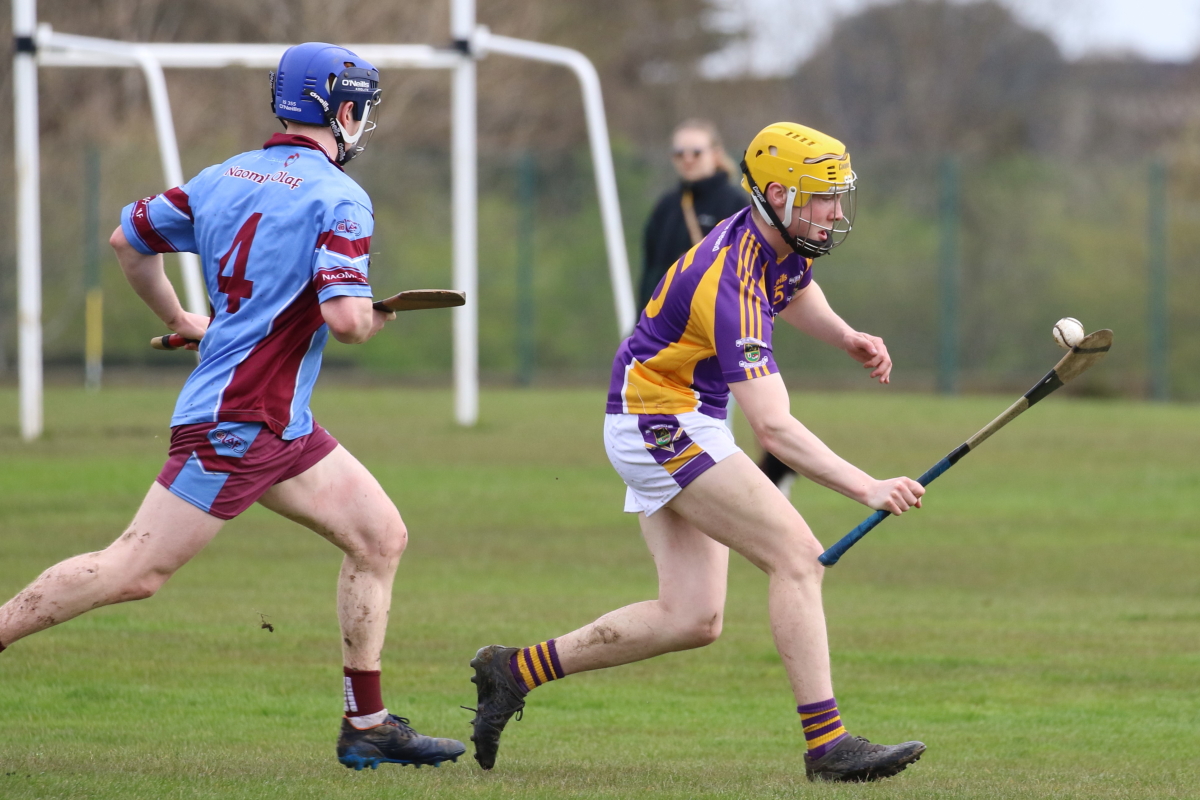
[854,759]
[499,697]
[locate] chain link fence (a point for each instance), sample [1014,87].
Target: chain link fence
[1035,239]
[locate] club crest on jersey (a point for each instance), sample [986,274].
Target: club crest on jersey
[753,354]
[664,438]
[287,162]
[346,226]
[231,440]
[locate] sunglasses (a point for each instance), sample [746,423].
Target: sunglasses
[694,153]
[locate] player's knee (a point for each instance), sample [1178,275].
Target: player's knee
[701,630]
[135,590]
[394,541]
[708,630]
[800,564]
[382,545]
[375,539]
[141,586]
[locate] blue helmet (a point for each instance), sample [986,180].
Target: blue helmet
[313,81]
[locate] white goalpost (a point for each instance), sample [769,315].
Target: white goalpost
[40,46]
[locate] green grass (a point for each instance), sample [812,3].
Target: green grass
[1037,624]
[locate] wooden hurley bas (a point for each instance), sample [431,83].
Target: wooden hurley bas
[1079,360]
[412,300]
[421,299]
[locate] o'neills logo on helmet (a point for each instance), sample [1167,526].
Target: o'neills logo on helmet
[356,84]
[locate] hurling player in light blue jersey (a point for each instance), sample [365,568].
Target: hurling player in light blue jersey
[284,238]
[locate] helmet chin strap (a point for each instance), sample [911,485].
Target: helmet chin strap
[342,138]
[362,126]
[800,246]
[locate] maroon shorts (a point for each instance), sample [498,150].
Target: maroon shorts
[222,468]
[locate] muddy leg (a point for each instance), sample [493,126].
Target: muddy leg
[164,535]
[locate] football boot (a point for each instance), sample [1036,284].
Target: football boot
[854,759]
[393,742]
[499,697]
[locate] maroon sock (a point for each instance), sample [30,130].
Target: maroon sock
[363,695]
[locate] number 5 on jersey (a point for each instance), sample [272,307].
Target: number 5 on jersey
[235,286]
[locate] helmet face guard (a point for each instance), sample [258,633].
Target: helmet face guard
[843,191]
[364,93]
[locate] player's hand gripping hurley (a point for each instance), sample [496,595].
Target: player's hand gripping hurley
[1080,358]
[411,300]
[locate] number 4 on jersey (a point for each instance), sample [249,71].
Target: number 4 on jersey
[235,286]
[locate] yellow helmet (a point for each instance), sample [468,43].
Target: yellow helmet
[804,162]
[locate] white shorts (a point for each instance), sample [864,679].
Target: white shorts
[657,455]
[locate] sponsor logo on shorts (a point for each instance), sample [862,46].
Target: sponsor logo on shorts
[664,438]
[234,442]
[346,226]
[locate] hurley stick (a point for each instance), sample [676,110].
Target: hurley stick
[420,299]
[1073,364]
[172,341]
[411,300]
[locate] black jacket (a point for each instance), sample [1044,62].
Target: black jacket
[666,236]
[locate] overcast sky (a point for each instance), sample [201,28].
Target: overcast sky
[785,31]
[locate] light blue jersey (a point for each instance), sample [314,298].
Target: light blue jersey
[279,231]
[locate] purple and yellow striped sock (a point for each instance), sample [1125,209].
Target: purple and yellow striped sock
[822,726]
[533,666]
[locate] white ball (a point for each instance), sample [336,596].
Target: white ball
[1068,332]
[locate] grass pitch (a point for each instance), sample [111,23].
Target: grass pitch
[1037,624]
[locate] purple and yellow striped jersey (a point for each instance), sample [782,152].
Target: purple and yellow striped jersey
[708,325]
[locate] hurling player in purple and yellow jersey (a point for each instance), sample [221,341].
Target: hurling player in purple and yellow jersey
[706,332]
[284,238]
